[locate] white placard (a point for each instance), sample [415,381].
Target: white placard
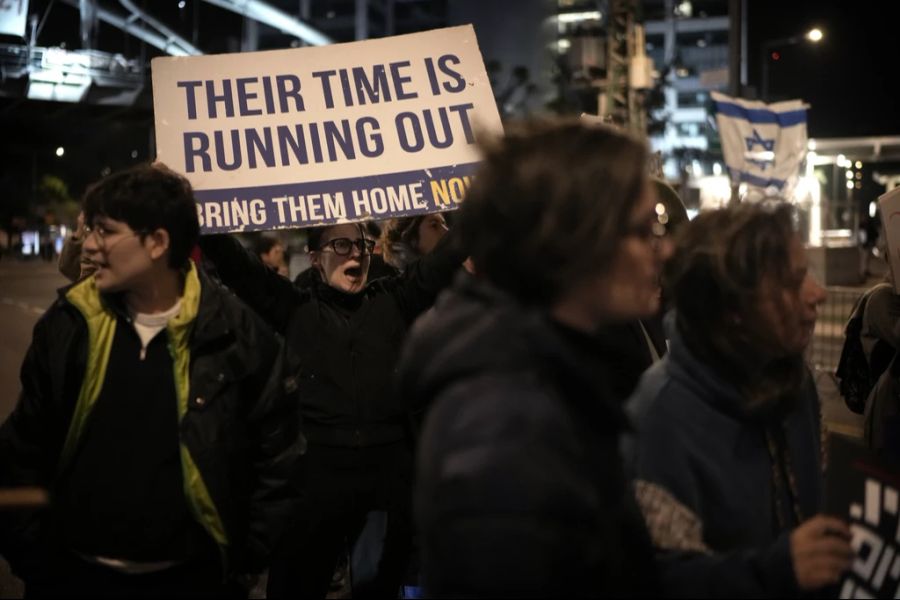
[889,207]
[327,134]
[13,17]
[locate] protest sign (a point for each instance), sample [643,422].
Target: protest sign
[889,206]
[864,489]
[13,15]
[328,134]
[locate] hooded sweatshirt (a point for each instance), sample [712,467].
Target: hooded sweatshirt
[707,481]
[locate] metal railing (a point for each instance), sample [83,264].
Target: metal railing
[828,339]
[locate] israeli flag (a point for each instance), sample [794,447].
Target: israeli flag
[764,144]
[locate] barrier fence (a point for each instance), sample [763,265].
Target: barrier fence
[828,339]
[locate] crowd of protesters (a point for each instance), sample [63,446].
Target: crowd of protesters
[558,396]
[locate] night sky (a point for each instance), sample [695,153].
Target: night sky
[851,79]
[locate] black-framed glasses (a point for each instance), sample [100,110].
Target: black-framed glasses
[344,246]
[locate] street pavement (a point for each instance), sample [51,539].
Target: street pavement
[27,288]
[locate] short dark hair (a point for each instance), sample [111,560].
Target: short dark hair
[147,198]
[549,205]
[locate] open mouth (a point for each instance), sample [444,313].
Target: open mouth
[354,272]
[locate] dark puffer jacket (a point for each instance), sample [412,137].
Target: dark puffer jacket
[520,484]
[344,347]
[239,428]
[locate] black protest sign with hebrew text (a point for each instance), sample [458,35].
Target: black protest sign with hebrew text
[864,490]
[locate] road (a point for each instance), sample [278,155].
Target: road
[27,288]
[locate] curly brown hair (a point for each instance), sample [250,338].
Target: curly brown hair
[403,230]
[714,279]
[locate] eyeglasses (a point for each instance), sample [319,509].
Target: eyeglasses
[344,246]
[103,234]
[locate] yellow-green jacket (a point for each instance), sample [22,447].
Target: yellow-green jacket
[238,429]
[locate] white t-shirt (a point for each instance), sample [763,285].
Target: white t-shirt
[148,326]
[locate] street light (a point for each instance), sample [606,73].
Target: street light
[814,35]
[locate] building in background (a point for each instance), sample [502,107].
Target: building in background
[670,55]
[648,65]
[688,43]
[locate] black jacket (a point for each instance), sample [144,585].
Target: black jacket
[626,353]
[344,347]
[240,428]
[520,490]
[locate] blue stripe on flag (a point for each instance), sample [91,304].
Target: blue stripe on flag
[757,180]
[761,115]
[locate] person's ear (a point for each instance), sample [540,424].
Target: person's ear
[157,243]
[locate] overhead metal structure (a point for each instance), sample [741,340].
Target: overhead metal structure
[147,29]
[170,35]
[267,14]
[93,76]
[867,149]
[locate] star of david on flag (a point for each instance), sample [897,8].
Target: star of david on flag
[764,144]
